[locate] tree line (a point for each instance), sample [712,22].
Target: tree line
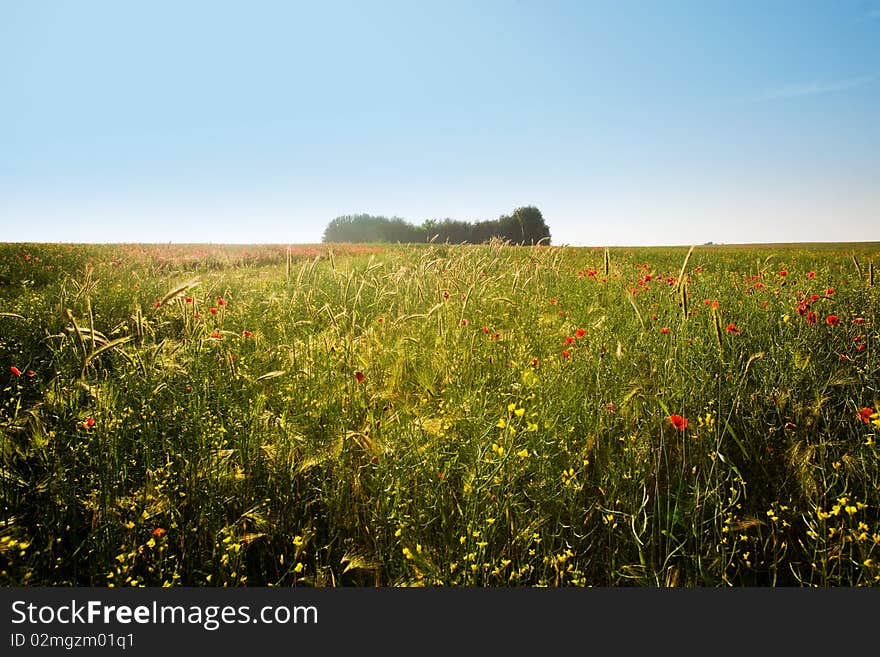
[525,225]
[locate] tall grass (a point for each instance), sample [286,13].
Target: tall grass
[438,415]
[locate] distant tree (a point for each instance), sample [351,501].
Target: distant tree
[507,228]
[524,226]
[448,230]
[348,228]
[532,225]
[430,229]
[483,231]
[369,228]
[398,230]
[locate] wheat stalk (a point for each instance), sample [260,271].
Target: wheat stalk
[858,266]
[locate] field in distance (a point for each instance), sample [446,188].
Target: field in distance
[427,415]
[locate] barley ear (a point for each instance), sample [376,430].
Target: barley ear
[716,323]
[684,266]
[684,299]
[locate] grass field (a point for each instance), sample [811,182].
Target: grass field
[430,415]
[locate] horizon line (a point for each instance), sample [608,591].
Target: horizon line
[322,244]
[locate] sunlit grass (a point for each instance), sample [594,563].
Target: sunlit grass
[439,415]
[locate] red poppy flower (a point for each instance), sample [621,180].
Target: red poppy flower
[832,320]
[566,354]
[221,301]
[90,422]
[784,272]
[811,317]
[731,328]
[698,269]
[865,414]
[197,315]
[858,320]
[580,333]
[535,362]
[554,301]
[790,426]
[359,376]
[31,373]
[159,532]
[829,291]
[213,310]
[15,370]
[188,300]
[380,319]
[811,274]
[216,336]
[664,330]
[569,340]
[464,322]
[678,421]
[861,348]
[486,330]
[156,304]
[247,333]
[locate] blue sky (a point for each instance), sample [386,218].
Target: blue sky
[623,122]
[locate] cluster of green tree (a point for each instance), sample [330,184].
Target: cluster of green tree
[524,225]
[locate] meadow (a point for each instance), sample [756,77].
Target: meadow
[435,415]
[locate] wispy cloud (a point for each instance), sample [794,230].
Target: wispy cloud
[807,89]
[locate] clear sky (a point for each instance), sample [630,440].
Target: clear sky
[636,123]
